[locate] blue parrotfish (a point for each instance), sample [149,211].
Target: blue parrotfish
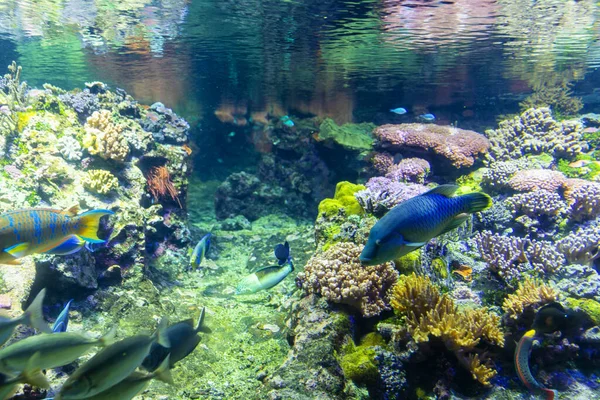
[61,323]
[427,117]
[412,223]
[267,277]
[45,230]
[399,110]
[33,317]
[200,251]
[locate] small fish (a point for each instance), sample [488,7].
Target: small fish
[264,278]
[399,110]
[287,121]
[135,383]
[44,230]
[183,337]
[61,323]
[579,163]
[200,251]
[282,253]
[33,317]
[54,350]
[522,365]
[111,365]
[31,375]
[465,272]
[412,223]
[551,318]
[427,117]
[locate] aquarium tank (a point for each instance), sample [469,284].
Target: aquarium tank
[299,199]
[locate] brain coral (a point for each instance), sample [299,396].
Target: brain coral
[460,147]
[103,137]
[338,276]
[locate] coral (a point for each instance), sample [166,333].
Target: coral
[510,257]
[350,136]
[583,198]
[535,132]
[480,371]
[579,281]
[100,181]
[581,246]
[338,276]
[555,95]
[531,293]
[591,308]
[497,176]
[427,312]
[343,199]
[165,125]
[84,103]
[160,184]
[382,162]
[359,365]
[537,203]
[13,92]
[536,179]
[69,148]
[382,194]
[104,138]
[409,170]
[458,146]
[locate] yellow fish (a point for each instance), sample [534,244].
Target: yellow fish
[45,230]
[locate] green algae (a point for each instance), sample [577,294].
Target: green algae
[343,199]
[350,136]
[589,306]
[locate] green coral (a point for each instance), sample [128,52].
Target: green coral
[342,199]
[408,263]
[359,365]
[589,306]
[100,181]
[351,136]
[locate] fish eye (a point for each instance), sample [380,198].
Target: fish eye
[378,242]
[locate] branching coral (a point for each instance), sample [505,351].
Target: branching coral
[338,276]
[460,147]
[535,204]
[428,313]
[583,245]
[530,293]
[535,132]
[583,198]
[104,138]
[100,181]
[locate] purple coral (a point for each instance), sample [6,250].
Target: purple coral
[535,204]
[409,170]
[581,246]
[383,193]
[458,146]
[583,198]
[382,162]
[84,103]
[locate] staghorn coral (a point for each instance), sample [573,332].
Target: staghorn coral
[409,170]
[583,198]
[104,138]
[582,246]
[510,257]
[530,293]
[458,146]
[536,179]
[382,194]
[69,148]
[427,313]
[535,204]
[100,181]
[338,276]
[535,132]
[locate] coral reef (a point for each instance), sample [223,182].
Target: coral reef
[457,146]
[100,181]
[69,148]
[581,246]
[382,194]
[580,281]
[409,170]
[104,138]
[343,201]
[532,294]
[583,198]
[338,276]
[536,179]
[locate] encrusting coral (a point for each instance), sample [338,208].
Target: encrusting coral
[100,181]
[536,179]
[104,138]
[530,293]
[428,313]
[343,199]
[338,276]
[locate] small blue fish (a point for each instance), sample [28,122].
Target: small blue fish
[282,253]
[427,117]
[412,223]
[399,110]
[61,323]
[200,251]
[287,121]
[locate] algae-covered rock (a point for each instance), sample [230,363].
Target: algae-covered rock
[590,306]
[350,136]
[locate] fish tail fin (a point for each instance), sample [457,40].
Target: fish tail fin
[163,372]
[200,325]
[550,394]
[33,374]
[88,225]
[108,337]
[35,314]
[476,201]
[161,334]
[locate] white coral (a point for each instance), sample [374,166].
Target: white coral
[69,148]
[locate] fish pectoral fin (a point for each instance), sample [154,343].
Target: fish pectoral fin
[71,245]
[71,211]
[18,250]
[415,244]
[444,190]
[456,222]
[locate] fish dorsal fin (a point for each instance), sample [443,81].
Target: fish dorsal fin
[198,326]
[444,190]
[456,222]
[71,211]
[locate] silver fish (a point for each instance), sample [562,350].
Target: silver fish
[264,278]
[33,317]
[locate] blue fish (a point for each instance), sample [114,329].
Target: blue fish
[427,117]
[200,251]
[282,253]
[287,121]
[399,110]
[412,223]
[61,323]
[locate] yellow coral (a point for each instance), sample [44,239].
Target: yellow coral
[100,181]
[103,137]
[342,199]
[529,293]
[480,372]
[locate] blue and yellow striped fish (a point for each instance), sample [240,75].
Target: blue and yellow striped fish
[45,230]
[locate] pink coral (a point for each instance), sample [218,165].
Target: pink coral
[382,162]
[409,170]
[338,276]
[536,179]
[460,147]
